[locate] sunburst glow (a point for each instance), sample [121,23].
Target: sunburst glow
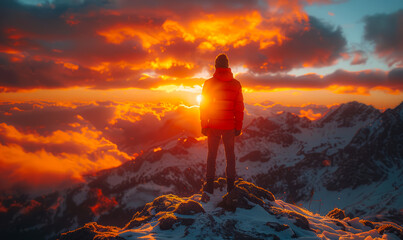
[198,99]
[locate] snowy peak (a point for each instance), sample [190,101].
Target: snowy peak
[247,212]
[374,153]
[399,109]
[348,113]
[282,122]
[396,113]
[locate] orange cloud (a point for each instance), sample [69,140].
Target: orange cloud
[103,203]
[32,205]
[349,89]
[67,141]
[29,159]
[359,58]
[310,114]
[64,142]
[68,65]
[116,45]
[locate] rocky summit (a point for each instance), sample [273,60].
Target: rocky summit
[247,212]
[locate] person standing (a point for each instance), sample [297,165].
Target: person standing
[221,115]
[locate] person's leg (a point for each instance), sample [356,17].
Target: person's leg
[229,145]
[213,140]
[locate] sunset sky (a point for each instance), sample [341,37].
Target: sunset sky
[84,84]
[291,52]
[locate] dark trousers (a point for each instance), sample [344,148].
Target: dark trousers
[214,137]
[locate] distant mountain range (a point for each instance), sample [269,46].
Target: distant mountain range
[351,158]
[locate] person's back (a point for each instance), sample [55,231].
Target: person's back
[221,115]
[222,94]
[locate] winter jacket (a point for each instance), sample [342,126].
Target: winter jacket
[222,102]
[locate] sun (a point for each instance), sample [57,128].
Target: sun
[199,98]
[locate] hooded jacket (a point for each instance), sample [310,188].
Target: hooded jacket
[222,102]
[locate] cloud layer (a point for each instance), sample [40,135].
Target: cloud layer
[65,142]
[119,44]
[341,81]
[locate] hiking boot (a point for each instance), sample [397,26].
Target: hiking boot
[230,184]
[209,186]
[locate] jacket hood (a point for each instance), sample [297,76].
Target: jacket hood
[223,74]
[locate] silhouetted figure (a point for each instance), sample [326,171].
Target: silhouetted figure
[221,115]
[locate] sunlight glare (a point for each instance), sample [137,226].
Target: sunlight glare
[199,98]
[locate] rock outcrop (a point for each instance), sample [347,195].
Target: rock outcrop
[247,212]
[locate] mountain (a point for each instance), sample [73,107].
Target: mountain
[347,114]
[351,159]
[247,212]
[373,154]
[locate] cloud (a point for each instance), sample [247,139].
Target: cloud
[340,81]
[319,45]
[359,58]
[103,203]
[386,32]
[146,44]
[64,142]
[42,140]
[28,160]
[309,114]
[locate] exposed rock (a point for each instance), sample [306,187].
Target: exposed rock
[244,195]
[340,224]
[167,221]
[165,203]
[137,221]
[389,228]
[336,214]
[277,226]
[189,207]
[256,190]
[239,197]
[300,221]
[92,231]
[205,197]
[220,183]
[367,223]
[170,216]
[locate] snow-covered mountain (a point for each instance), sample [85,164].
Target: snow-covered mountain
[247,212]
[350,159]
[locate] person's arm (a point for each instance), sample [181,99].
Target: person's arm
[239,110]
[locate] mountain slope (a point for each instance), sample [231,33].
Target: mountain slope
[247,212]
[319,164]
[373,153]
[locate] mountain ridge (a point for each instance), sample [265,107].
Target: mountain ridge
[247,212]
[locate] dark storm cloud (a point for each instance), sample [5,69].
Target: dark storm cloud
[386,32]
[318,46]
